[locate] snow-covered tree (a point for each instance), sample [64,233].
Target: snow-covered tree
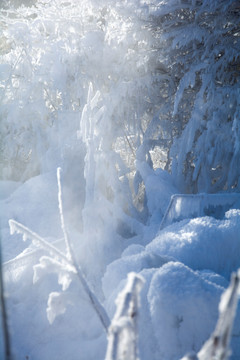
[202,50]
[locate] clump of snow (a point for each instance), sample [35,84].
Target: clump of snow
[56,305]
[203,243]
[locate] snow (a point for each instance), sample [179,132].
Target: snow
[188,242]
[186,267]
[115,262]
[176,295]
[189,268]
[218,344]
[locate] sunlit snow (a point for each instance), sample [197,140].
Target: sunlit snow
[126,198]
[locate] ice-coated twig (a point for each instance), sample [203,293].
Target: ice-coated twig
[35,238]
[123,332]
[99,309]
[72,266]
[217,346]
[6,335]
[60,205]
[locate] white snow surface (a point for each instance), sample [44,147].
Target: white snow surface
[186,267]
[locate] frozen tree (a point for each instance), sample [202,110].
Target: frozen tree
[168,78]
[108,197]
[47,63]
[202,54]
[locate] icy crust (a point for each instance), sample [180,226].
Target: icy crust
[190,206]
[186,268]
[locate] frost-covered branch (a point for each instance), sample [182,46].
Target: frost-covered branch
[70,255]
[217,346]
[4,322]
[16,227]
[60,205]
[71,266]
[123,332]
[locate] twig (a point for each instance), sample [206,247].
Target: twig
[60,205]
[29,234]
[123,332]
[72,266]
[101,312]
[6,335]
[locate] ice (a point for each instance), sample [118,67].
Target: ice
[191,206]
[56,305]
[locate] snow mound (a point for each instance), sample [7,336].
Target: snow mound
[202,243]
[186,268]
[183,309]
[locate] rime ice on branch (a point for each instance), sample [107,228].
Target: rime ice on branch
[123,332]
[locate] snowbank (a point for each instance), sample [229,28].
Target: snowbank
[186,268]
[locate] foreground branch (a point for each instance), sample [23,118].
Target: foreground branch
[217,346]
[71,266]
[123,332]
